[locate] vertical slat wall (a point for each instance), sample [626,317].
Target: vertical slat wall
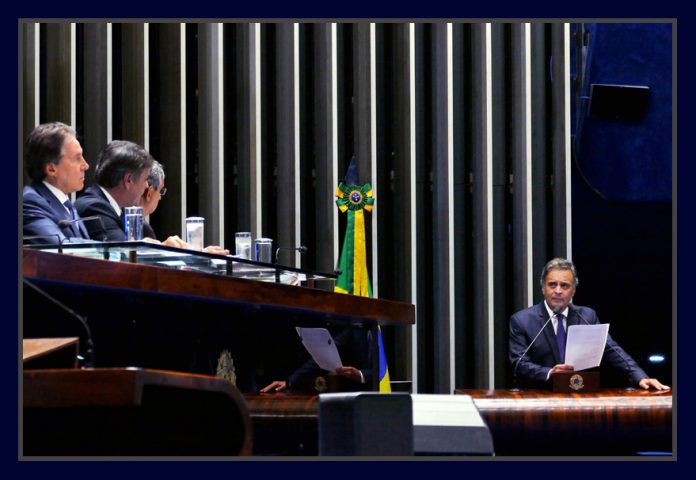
[560,34]
[442,209]
[97,95]
[288,145]
[521,179]
[211,132]
[462,130]
[325,141]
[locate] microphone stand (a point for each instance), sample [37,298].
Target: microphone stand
[89,350]
[65,223]
[517,364]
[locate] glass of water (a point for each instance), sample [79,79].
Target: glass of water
[242,243]
[194,232]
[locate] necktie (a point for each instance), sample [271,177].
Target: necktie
[73,215]
[561,337]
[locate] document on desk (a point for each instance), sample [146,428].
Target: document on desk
[321,347]
[585,345]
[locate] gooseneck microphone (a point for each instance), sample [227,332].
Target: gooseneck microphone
[66,223]
[302,249]
[89,351]
[556,310]
[628,365]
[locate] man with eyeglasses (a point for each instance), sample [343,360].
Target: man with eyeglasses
[149,200]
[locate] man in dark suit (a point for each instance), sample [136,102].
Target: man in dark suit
[54,163]
[545,357]
[353,345]
[121,177]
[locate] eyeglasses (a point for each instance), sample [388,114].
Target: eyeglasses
[163,192]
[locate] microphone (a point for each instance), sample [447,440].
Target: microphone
[89,353]
[628,365]
[302,249]
[66,223]
[556,310]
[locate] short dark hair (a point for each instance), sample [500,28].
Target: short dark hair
[559,264]
[44,145]
[119,158]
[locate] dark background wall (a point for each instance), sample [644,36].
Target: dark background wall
[622,185]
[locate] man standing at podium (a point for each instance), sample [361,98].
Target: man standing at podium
[544,340]
[54,162]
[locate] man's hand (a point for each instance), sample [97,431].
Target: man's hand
[216,250]
[277,386]
[350,372]
[561,368]
[648,383]
[175,241]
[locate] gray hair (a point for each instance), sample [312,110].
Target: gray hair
[156,176]
[119,158]
[559,264]
[44,145]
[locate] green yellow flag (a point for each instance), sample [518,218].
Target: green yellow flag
[354,278]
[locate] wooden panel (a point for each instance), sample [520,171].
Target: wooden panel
[50,352]
[132,412]
[530,422]
[87,271]
[610,422]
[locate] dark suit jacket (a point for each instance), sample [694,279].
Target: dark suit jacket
[41,212]
[354,346]
[543,355]
[94,202]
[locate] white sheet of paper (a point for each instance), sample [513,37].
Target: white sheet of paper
[321,347]
[585,345]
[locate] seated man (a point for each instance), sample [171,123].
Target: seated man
[546,355]
[150,199]
[353,345]
[121,177]
[54,163]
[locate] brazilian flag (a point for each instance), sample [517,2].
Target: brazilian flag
[354,279]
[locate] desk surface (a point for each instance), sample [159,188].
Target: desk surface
[37,347]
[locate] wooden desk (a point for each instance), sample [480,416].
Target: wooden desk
[610,422]
[127,412]
[527,423]
[163,318]
[50,352]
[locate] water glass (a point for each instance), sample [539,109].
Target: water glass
[194,232]
[242,243]
[133,223]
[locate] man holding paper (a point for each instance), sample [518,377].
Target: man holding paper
[538,334]
[349,357]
